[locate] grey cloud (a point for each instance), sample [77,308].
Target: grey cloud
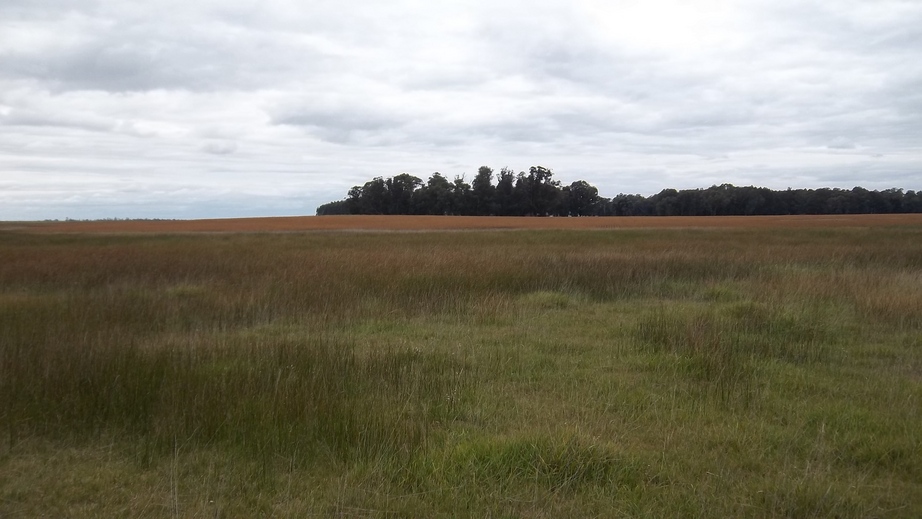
[338,117]
[201,56]
[220,147]
[312,98]
[89,122]
[75,118]
[133,128]
[841,143]
[340,122]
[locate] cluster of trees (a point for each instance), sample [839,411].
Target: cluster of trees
[728,199]
[536,193]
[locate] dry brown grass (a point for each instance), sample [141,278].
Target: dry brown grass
[437,223]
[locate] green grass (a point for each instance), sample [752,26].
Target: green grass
[728,373]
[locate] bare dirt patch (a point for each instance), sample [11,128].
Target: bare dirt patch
[438,223]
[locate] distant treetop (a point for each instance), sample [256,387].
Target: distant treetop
[536,193]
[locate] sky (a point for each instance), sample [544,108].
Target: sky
[233,108]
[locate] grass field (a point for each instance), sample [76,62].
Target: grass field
[445,223]
[770,367]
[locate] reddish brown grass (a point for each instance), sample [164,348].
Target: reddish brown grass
[434,223]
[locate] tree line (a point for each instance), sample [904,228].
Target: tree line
[536,193]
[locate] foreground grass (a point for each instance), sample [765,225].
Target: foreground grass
[541,374]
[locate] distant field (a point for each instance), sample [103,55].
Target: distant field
[422,223]
[612,367]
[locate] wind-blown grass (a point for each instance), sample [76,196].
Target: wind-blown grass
[531,373]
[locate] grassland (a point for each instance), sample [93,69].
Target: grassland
[446,223]
[767,371]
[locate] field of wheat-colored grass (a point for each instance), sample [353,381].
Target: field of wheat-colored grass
[432,223]
[725,367]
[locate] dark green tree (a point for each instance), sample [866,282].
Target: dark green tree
[434,197]
[484,192]
[376,196]
[666,202]
[333,208]
[462,198]
[536,193]
[582,199]
[505,192]
[400,193]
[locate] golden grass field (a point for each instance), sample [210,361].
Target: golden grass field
[423,223]
[422,366]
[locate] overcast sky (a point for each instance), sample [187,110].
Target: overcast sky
[201,108]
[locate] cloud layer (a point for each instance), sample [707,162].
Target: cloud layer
[208,109]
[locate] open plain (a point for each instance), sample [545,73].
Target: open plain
[444,223]
[539,367]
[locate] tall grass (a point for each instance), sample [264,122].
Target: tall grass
[640,373]
[294,394]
